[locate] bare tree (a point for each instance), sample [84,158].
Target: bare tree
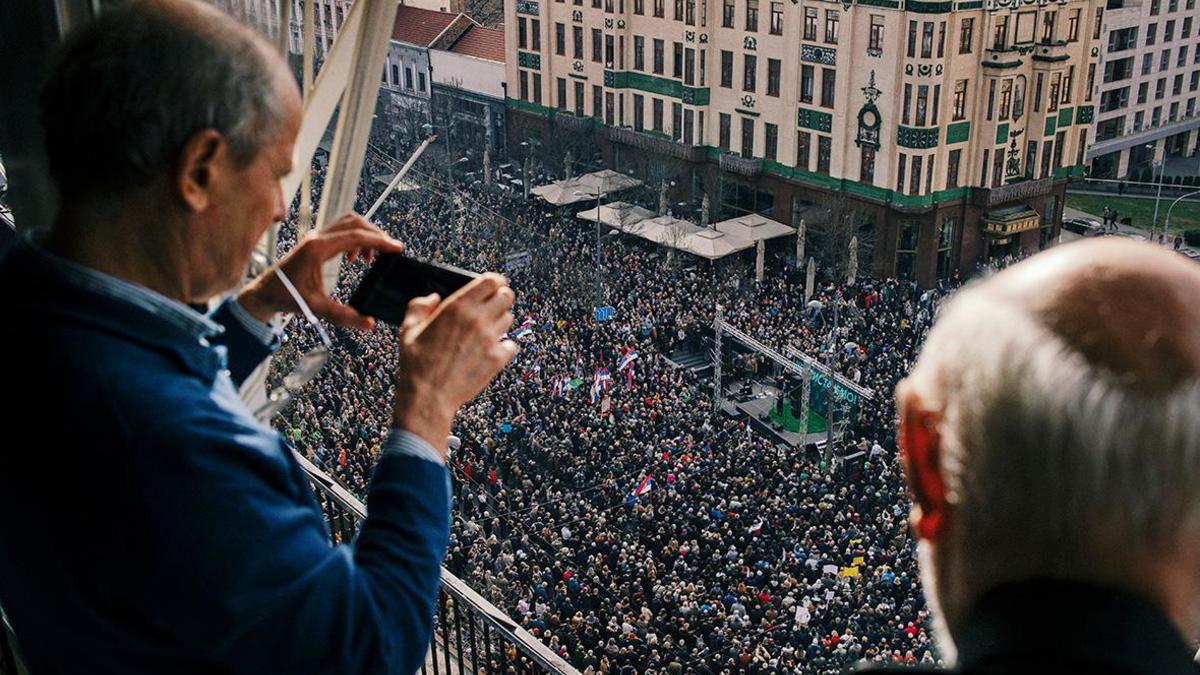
[830,229]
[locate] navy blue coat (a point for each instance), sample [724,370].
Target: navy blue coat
[149,524]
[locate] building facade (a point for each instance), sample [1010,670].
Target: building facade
[1150,86]
[947,130]
[468,94]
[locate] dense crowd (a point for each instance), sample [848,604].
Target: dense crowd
[618,519]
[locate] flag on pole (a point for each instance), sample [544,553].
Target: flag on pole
[526,328]
[643,487]
[600,383]
[630,357]
[756,527]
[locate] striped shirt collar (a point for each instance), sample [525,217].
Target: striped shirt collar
[172,311]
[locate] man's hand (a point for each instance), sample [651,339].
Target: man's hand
[352,236]
[449,351]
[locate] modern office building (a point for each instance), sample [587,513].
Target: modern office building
[1149,88]
[947,130]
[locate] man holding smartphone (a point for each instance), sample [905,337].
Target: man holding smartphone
[151,524]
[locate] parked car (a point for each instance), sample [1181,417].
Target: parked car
[1084,227]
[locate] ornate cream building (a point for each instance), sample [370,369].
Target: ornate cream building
[946,129]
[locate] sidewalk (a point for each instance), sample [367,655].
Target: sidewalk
[1137,233]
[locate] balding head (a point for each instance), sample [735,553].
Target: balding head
[1051,429]
[1126,307]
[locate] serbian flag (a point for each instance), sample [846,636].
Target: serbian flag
[600,383]
[756,528]
[643,487]
[526,328]
[629,378]
[629,358]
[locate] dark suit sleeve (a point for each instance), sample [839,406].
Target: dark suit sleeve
[245,347]
[247,574]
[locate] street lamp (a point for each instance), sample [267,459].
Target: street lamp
[429,128]
[1167,222]
[1162,172]
[599,222]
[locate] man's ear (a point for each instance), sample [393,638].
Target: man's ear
[201,161]
[921,452]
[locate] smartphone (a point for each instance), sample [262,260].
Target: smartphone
[395,279]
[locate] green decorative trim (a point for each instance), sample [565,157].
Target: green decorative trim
[923,7]
[977,4]
[1051,58]
[1051,125]
[1002,64]
[1002,132]
[1069,171]
[529,60]
[1066,116]
[527,7]
[858,189]
[528,107]
[751,113]
[958,132]
[625,79]
[909,137]
[814,119]
[889,4]
[1085,115]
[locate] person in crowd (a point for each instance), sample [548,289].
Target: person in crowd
[1050,438]
[152,524]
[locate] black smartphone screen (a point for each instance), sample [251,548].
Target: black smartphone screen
[395,279]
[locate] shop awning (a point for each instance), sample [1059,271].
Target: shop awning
[1009,221]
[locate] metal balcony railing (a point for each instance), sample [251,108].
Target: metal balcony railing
[471,635]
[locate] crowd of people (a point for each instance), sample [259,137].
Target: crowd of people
[599,500]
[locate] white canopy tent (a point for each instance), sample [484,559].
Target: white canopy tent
[754,228]
[562,192]
[582,188]
[665,230]
[620,215]
[713,244]
[607,181]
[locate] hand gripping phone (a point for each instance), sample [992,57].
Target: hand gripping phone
[396,279]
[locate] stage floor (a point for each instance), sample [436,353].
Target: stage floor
[758,410]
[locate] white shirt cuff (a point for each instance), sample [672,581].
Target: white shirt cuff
[406,443]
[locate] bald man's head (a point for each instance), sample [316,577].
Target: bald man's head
[1126,306]
[1051,429]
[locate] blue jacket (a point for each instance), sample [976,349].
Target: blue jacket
[149,524]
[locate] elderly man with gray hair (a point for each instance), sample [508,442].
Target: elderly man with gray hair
[151,523]
[1050,432]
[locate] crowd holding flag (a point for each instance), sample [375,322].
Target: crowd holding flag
[600,383]
[525,329]
[627,360]
[646,485]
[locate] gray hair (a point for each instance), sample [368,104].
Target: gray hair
[127,91]
[1055,466]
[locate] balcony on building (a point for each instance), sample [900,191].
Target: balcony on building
[742,166]
[652,142]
